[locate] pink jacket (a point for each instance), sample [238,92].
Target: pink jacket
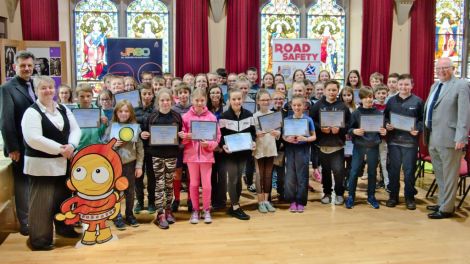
[193,151]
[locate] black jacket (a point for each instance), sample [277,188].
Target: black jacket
[370,139]
[244,115]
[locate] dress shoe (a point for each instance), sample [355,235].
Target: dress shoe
[68,233]
[434,208]
[24,230]
[39,247]
[391,203]
[410,204]
[439,215]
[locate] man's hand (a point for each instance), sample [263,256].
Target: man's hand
[15,156]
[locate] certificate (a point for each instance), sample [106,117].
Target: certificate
[348,148]
[270,121]
[357,99]
[132,96]
[125,132]
[163,135]
[224,89]
[250,106]
[71,106]
[372,123]
[296,127]
[401,122]
[238,142]
[332,118]
[204,130]
[87,117]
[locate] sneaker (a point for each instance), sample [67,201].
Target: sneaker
[138,207]
[130,220]
[262,208]
[207,217]
[387,189]
[270,207]
[410,204]
[326,199]
[391,203]
[170,218]
[364,177]
[293,208]
[238,213]
[300,208]
[373,202]
[151,209]
[252,188]
[339,200]
[194,217]
[161,222]
[349,204]
[174,205]
[190,206]
[119,223]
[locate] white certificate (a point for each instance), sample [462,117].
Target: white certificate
[238,142]
[331,118]
[224,89]
[401,122]
[132,96]
[125,132]
[204,130]
[250,106]
[357,99]
[296,127]
[164,135]
[87,117]
[348,148]
[372,123]
[270,121]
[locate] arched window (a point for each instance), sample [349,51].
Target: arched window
[95,21]
[450,21]
[279,19]
[326,20]
[149,19]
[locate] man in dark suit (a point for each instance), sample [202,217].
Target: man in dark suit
[447,113]
[15,97]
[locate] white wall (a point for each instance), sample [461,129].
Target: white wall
[13,28]
[217,41]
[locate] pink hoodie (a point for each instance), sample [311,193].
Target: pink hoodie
[193,152]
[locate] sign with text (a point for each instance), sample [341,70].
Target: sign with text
[292,54]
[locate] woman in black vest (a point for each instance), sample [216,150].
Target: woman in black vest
[50,133]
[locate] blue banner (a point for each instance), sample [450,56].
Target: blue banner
[131,57]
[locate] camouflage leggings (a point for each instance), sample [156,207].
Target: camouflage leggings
[164,169]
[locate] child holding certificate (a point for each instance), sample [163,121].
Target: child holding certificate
[163,148]
[265,151]
[365,143]
[404,109]
[331,138]
[236,120]
[380,94]
[198,154]
[132,158]
[297,156]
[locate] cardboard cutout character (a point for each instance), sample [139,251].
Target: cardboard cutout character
[96,180]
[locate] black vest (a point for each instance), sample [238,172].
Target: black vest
[51,132]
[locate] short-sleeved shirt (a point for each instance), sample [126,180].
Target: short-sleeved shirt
[311,125]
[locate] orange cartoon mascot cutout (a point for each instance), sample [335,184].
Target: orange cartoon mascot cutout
[96,180]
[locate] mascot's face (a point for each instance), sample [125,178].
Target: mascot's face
[92,175]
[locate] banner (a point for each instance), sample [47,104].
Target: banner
[292,54]
[131,57]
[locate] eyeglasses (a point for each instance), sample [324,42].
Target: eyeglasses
[443,68]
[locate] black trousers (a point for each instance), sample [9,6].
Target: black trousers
[22,187]
[139,182]
[219,181]
[332,162]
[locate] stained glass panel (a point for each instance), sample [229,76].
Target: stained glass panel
[95,21]
[449,31]
[279,19]
[149,19]
[326,20]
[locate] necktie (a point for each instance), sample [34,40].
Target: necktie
[30,91]
[431,106]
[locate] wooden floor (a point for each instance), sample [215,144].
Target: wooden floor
[324,234]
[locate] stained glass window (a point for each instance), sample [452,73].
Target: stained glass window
[449,32]
[279,19]
[95,21]
[149,19]
[326,20]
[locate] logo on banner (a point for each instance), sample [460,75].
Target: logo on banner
[135,52]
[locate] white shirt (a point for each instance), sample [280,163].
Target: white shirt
[32,133]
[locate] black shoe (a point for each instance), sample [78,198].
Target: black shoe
[238,213]
[387,189]
[68,232]
[379,185]
[190,206]
[410,204]
[174,205]
[132,221]
[119,223]
[391,203]
[39,247]
[434,208]
[439,215]
[24,230]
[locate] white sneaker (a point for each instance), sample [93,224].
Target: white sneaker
[194,217]
[207,217]
[339,200]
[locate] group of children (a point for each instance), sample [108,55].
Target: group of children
[273,155]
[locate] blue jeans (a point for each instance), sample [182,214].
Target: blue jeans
[399,156]
[296,180]
[358,156]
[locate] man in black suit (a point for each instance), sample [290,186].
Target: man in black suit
[15,97]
